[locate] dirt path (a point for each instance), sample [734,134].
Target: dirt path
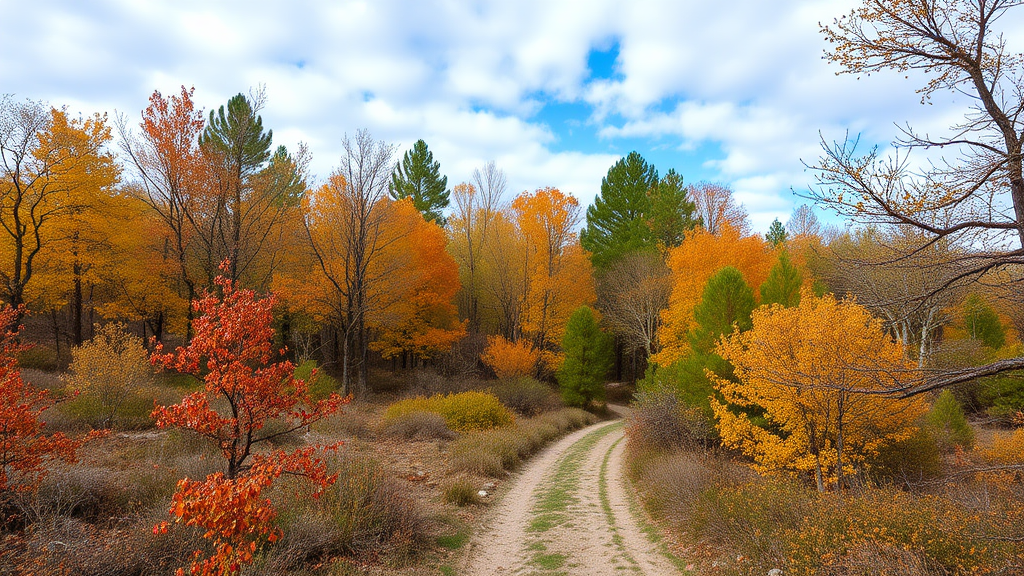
[568,512]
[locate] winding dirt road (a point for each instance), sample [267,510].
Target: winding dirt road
[568,512]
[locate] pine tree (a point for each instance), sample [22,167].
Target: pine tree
[672,211]
[588,357]
[783,283]
[419,177]
[237,135]
[776,235]
[617,221]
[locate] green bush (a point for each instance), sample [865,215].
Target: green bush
[320,385]
[911,461]
[462,412]
[39,357]
[526,396]
[949,424]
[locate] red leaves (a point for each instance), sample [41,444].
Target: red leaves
[231,351]
[24,449]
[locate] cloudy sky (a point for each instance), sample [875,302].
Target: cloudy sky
[553,91]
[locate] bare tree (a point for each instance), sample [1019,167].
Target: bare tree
[632,295]
[715,206]
[972,199]
[803,222]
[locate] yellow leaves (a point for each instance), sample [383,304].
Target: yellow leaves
[812,370]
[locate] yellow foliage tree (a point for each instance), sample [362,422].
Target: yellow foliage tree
[693,263]
[812,369]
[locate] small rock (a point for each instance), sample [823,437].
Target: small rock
[490,486]
[482,494]
[775,572]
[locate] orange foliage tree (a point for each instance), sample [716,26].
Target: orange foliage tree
[416,312]
[232,351]
[510,359]
[560,278]
[816,370]
[693,263]
[24,448]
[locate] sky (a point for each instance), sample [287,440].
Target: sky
[554,92]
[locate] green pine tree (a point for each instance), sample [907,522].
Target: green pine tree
[783,283]
[672,211]
[617,221]
[419,177]
[776,235]
[237,136]
[588,357]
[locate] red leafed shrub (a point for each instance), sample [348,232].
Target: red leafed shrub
[232,351]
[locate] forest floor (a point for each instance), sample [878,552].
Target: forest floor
[569,511]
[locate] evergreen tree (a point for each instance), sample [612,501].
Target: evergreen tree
[672,211]
[617,221]
[588,357]
[419,177]
[237,136]
[783,283]
[776,235]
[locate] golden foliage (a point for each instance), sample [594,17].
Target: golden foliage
[812,370]
[510,359]
[112,366]
[462,412]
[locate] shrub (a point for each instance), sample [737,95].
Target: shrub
[460,492]
[491,452]
[1007,449]
[419,426]
[660,421]
[510,359]
[39,357]
[908,461]
[462,412]
[528,397]
[109,371]
[950,425]
[319,384]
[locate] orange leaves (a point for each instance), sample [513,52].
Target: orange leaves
[510,359]
[813,369]
[559,275]
[696,260]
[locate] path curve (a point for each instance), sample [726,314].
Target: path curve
[568,512]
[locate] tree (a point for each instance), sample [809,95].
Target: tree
[973,200]
[558,272]
[419,177]
[812,369]
[510,359]
[776,235]
[50,166]
[716,206]
[346,226]
[803,223]
[242,392]
[24,448]
[783,283]
[632,294]
[588,357]
[982,323]
[672,212]
[617,221]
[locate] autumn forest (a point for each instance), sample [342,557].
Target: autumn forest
[212,355]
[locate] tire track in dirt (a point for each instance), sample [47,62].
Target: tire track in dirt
[568,512]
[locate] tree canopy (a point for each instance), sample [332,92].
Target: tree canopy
[419,178]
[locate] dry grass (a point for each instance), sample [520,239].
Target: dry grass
[419,426]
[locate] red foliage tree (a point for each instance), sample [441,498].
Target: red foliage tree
[24,448]
[232,351]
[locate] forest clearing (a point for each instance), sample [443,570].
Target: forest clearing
[215,362]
